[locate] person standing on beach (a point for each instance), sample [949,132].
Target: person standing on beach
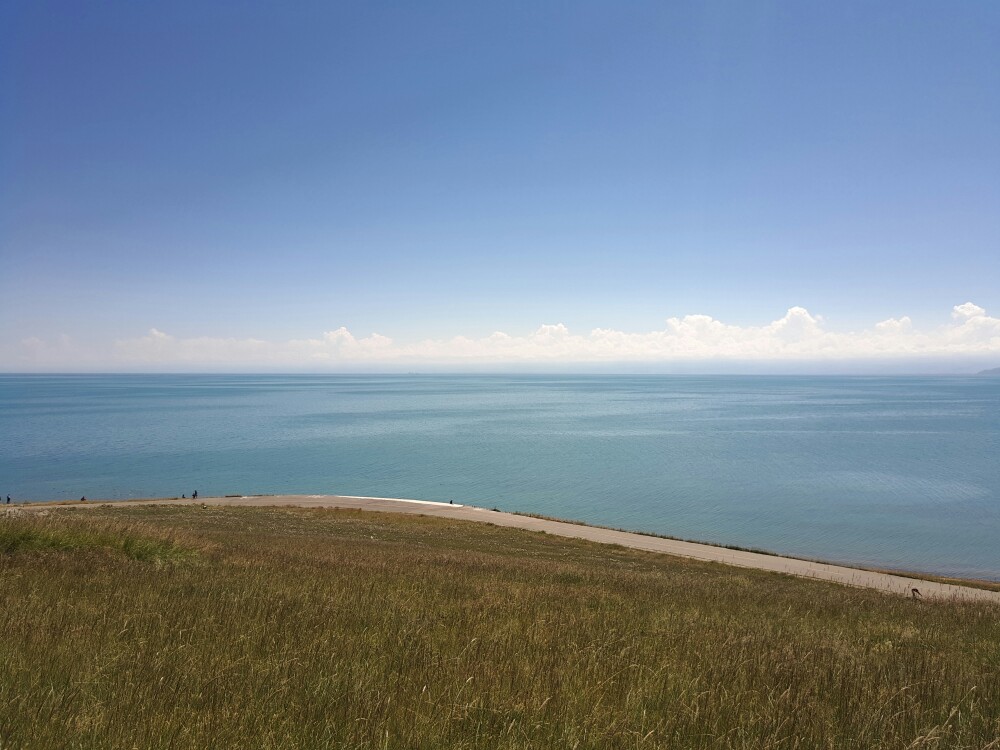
[194,495]
[8,499]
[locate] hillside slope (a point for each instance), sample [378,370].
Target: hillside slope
[185,627]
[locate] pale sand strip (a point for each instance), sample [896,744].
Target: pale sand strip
[895,584]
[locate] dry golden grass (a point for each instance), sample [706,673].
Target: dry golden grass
[279,628]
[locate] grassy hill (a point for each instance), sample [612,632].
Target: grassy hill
[160,627]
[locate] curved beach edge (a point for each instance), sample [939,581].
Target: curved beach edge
[890,583]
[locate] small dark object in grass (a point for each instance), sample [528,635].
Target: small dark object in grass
[915,593]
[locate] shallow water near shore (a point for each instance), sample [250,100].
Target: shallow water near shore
[896,472]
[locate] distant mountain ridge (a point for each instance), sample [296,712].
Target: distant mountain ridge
[994,371]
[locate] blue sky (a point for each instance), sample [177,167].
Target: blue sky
[276,171]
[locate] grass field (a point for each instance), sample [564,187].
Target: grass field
[182,627]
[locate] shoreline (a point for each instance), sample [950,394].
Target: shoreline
[897,582]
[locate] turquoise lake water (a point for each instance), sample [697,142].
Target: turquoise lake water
[889,471]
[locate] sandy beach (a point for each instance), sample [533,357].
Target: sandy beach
[900,585]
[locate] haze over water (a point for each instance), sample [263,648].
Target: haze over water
[897,472]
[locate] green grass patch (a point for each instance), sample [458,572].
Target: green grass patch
[345,629]
[32,533]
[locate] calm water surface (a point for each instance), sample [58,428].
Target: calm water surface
[895,472]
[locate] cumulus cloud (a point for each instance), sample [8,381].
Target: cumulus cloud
[967,311]
[797,335]
[894,326]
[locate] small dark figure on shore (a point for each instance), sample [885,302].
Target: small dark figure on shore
[451,502]
[915,593]
[8,499]
[194,495]
[83,499]
[184,497]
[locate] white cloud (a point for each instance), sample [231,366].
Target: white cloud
[966,311]
[38,354]
[796,336]
[157,347]
[894,326]
[797,325]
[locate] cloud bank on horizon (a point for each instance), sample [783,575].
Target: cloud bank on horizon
[797,336]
